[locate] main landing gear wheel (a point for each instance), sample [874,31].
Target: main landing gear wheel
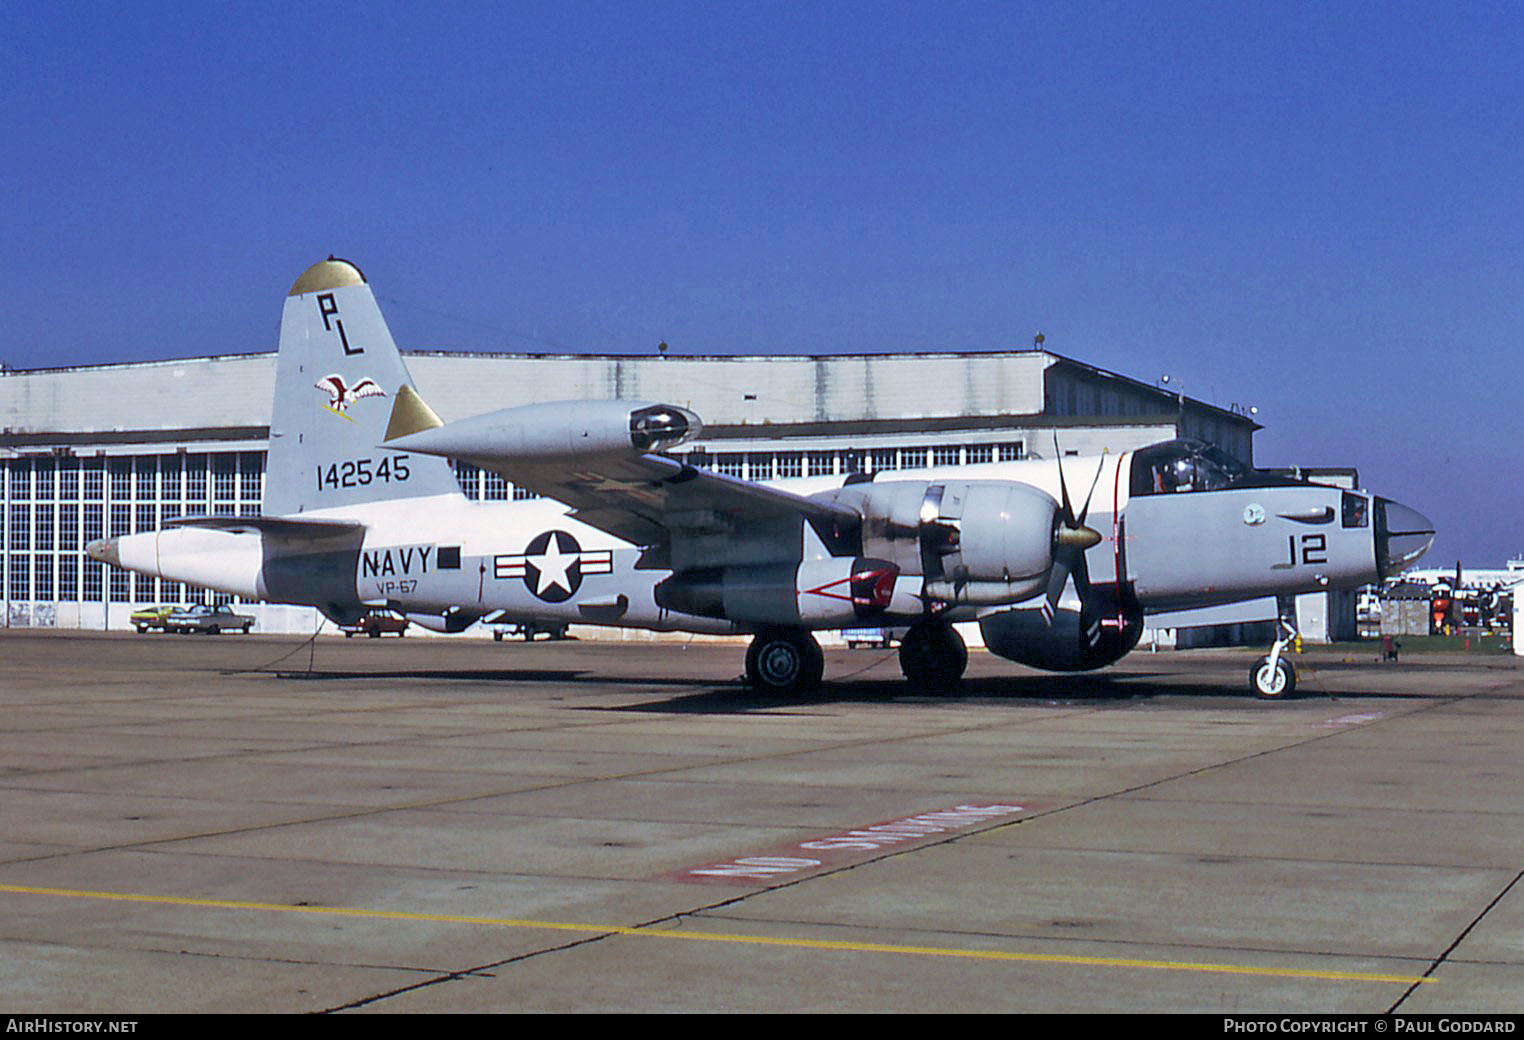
[784,661]
[1272,681]
[933,656]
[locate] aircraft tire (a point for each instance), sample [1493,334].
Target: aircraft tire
[933,656]
[1272,686]
[784,661]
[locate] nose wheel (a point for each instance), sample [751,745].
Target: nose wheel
[1273,676]
[784,661]
[933,656]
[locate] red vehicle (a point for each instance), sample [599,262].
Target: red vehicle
[376,624]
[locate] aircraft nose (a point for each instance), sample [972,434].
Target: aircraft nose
[1402,536]
[104,550]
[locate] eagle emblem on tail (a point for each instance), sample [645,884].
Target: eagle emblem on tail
[341,396]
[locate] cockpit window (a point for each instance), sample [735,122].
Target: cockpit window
[1355,511]
[1178,467]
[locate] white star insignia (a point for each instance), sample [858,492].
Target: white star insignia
[553,565]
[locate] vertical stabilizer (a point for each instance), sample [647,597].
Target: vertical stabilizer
[337,378]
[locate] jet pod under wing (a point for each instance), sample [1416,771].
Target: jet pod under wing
[601,459]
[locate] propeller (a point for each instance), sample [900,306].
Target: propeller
[1071,538]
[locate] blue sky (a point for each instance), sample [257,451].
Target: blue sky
[1312,208]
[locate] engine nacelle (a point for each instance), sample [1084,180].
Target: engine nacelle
[557,431]
[815,593]
[1067,640]
[978,542]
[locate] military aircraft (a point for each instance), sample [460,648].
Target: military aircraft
[363,510]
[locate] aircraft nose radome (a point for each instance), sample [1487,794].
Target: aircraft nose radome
[1405,535]
[105,550]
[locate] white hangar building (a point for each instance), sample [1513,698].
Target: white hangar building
[103,451]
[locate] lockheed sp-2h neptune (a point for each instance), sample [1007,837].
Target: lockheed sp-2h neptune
[362,510]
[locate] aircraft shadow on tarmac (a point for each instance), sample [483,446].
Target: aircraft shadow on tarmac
[734,697]
[1018,690]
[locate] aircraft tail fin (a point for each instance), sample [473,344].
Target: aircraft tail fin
[339,378]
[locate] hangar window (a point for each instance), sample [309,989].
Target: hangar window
[121,585]
[946,455]
[495,488]
[146,475]
[913,458]
[822,464]
[225,471]
[731,463]
[1011,452]
[21,573]
[68,578]
[980,453]
[790,464]
[121,479]
[885,459]
[761,466]
[19,533]
[92,580]
[522,493]
[44,527]
[251,471]
[94,481]
[469,479]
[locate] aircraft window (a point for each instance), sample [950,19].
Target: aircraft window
[1180,467]
[1356,513]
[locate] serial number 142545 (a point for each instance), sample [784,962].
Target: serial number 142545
[356,473]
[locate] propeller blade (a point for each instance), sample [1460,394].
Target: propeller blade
[1071,537]
[1093,482]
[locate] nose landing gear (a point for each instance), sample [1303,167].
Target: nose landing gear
[1273,676]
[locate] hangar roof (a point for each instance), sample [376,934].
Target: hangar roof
[228,396]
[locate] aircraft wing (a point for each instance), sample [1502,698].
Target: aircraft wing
[587,455]
[686,517]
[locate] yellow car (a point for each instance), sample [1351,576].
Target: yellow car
[151,617]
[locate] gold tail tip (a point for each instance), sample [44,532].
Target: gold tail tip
[410,414]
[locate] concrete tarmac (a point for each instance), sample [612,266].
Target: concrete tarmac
[255,824]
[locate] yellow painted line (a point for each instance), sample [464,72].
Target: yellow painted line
[722,937]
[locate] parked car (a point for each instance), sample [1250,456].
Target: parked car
[212,620]
[152,617]
[377,623]
[879,638]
